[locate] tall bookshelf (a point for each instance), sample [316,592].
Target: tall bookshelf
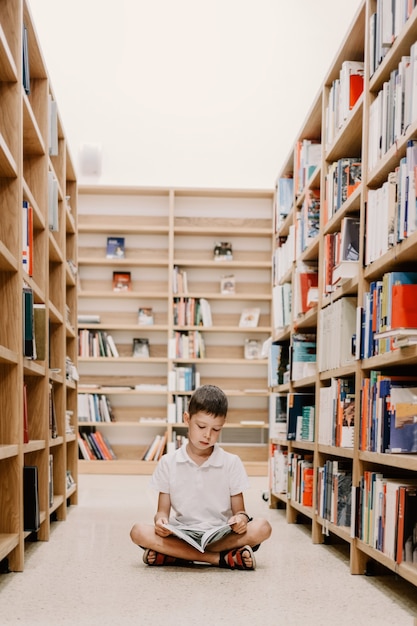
[169,231]
[355,138]
[27,162]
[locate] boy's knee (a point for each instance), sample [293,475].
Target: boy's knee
[265,529]
[135,533]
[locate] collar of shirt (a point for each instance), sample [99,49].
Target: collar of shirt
[215,459]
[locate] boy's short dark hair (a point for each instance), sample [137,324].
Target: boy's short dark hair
[208,399]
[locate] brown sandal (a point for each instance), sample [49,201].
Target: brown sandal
[233,559]
[162,559]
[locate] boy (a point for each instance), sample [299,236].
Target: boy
[203,485]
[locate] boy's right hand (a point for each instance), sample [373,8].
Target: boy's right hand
[160,528]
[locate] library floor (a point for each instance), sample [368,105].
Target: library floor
[90,573]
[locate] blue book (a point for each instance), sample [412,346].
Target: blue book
[115,248]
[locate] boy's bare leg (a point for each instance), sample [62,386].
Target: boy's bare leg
[144,535]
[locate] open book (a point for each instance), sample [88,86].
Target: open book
[197,538]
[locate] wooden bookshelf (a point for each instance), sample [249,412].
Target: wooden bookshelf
[166,228]
[354,138]
[25,164]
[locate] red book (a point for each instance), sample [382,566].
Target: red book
[404,306]
[356,89]
[307,496]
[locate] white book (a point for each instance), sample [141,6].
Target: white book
[197,537]
[206,312]
[250,317]
[113,349]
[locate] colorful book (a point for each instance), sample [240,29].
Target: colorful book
[115,248]
[122,281]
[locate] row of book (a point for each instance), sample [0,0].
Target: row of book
[93,445]
[337,413]
[308,218]
[337,329]
[307,157]
[27,238]
[156,448]
[392,208]
[284,255]
[94,407]
[341,254]
[394,108]
[284,200]
[303,355]
[183,378]
[292,416]
[388,413]
[334,492]
[342,178]
[99,343]
[34,326]
[278,468]
[177,408]
[388,308]
[300,478]
[344,93]
[96,343]
[384,512]
[187,345]
[386,23]
[278,362]
[192,312]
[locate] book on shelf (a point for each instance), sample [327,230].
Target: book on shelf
[349,239]
[228,284]
[53,425]
[52,126]
[284,199]
[253,348]
[223,251]
[205,312]
[145,316]
[303,355]
[112,346]
[403,414]
[277,415]
[122,281]
[51,479]
[249,318]
[156,448]
[25,61]
[25,415]
[140,347]
[39,328]
[29,345]
[198,538]
[407,524]
[27,238]
[31,512]
[115,248]
[93,445]
[88,318]
[295,405]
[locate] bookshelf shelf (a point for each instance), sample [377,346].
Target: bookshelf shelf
[32,267]
[369,455]
[166,229]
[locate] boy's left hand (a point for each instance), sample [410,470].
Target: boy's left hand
[238,523]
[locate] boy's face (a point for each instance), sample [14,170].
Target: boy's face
[203,429]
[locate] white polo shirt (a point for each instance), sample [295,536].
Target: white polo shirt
[200,494]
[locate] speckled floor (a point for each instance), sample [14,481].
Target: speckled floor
[90,573]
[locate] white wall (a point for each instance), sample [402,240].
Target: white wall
[196,93]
